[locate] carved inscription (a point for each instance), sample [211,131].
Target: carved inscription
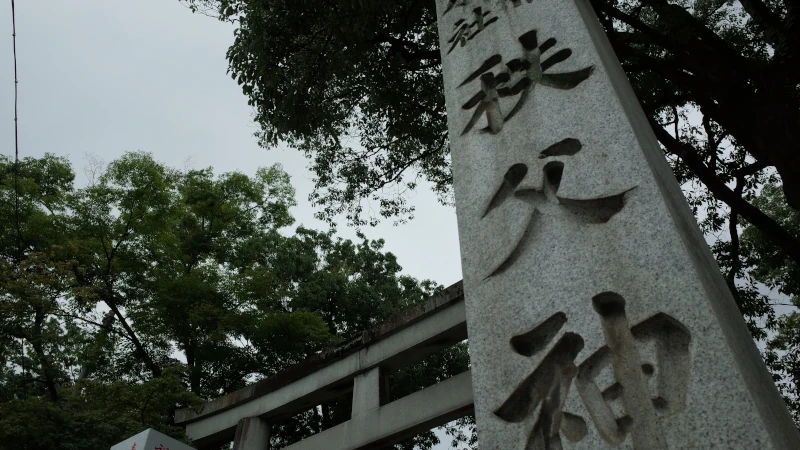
[649,384]
[453,3]
[464,30]
[518,78]
[650,367]
[547,387]
[546,200]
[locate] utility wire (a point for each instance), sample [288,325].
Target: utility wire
[16,135]
[16,175]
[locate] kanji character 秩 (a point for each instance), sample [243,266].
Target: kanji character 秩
[519,77]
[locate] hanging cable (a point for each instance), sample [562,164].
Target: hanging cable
[16,135]
[16,177]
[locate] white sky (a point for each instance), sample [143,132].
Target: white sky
[102,77]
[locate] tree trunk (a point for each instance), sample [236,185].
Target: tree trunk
[47,368]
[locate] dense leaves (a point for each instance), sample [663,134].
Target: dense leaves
[92,415]
[356,85]
[152,289]
[776,271]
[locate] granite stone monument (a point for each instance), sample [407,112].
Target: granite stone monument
[597,316]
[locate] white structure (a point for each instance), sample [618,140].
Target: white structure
[597,316]
[360,367]
[151,439]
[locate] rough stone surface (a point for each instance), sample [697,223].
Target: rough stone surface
[597,317]
[366,392]
[151,439]
[252,433]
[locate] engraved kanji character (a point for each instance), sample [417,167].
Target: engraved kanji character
[545,200]
[520,76]
[487,101]
[547,386]
[645,390]
[463,30]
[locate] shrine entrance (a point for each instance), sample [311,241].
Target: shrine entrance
[359,368]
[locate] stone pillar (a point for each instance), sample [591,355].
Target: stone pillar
[369,392]
[252,433]
[597,316]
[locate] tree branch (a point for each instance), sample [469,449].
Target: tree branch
[140,349]
[769,21]
[771,229]
[97,324]
[733,229]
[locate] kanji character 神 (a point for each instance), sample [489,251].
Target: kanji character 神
[647,389]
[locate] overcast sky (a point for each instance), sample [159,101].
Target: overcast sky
[104,77]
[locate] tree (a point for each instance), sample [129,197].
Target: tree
[152,289]
[775,270]
[326,77]
[29,267]
[355,85]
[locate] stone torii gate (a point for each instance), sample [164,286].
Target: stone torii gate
[597,316]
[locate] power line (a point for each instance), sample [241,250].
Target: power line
[16,134]
[16,81]
[16,176]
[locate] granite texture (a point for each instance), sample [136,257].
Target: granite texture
[597,317]
[252,433]
[151,439]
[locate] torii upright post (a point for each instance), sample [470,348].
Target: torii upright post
[597,315]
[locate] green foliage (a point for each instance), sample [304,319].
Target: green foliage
[773,268]
[356,85]
[94,415]
[434,369]
[771,265]
[152,289]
